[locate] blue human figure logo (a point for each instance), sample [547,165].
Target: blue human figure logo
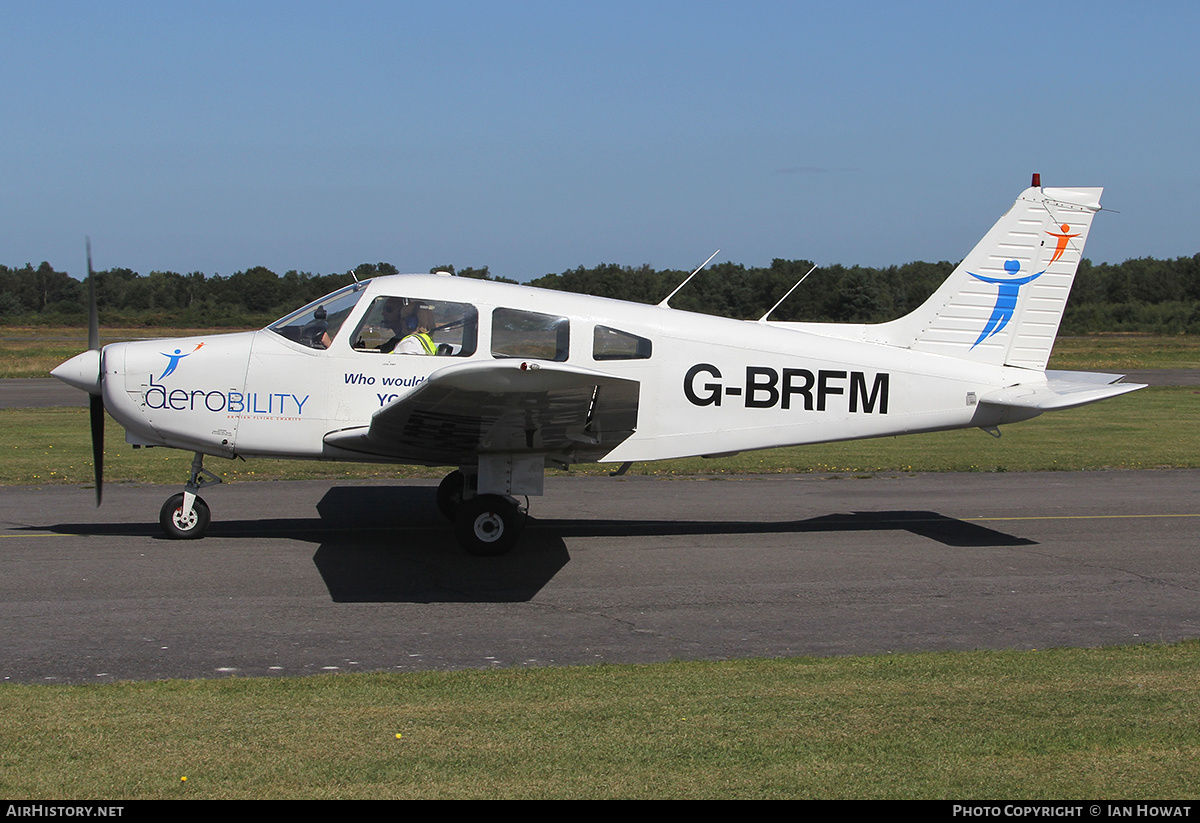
[175,358]
[1006,299]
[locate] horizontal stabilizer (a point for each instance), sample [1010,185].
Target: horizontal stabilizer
[1062,390]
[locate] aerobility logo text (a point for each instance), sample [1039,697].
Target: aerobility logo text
[790,388]
[273,404]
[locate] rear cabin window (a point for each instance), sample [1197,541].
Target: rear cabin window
[410,325]
[614,344]
[530,334]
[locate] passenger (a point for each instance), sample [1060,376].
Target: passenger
[409,326]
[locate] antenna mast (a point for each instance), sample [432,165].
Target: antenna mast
[666,300]
[763,319]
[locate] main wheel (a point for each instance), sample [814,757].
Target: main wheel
[178,527]
[488,525]
[450,494]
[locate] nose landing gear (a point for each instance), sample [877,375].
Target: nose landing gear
[186,516]
[182,519]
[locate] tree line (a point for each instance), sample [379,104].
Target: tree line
[1141,295]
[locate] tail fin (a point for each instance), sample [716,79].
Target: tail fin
[1004,302]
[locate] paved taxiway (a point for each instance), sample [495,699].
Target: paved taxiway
[305,577]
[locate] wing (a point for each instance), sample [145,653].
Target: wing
[568,413]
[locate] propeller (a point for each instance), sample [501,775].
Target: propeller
[96,401]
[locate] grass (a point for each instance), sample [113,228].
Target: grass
[1115,352]
[1152,428]
[33,352]
[1086,723]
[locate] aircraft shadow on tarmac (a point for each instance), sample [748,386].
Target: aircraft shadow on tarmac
[388,543]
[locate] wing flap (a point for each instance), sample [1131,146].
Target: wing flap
[505,406]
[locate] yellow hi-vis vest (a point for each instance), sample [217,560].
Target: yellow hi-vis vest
[425,340]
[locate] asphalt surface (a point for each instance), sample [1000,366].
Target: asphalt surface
[39,393]
[305,577]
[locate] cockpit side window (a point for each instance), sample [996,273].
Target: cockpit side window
[614,344]
[517,333]
[318,323]
[410,325]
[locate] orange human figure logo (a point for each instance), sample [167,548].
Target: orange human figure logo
[1062,241]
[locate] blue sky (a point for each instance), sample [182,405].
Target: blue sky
[535,137]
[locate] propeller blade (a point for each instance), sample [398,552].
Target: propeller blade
[96,401]
[93,311]
[96,408]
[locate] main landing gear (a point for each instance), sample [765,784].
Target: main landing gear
[486,525]
[186,516]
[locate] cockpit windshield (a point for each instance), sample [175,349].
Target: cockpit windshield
[317,324]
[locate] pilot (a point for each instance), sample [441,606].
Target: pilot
[410,326]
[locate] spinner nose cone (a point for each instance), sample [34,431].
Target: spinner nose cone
[82,371]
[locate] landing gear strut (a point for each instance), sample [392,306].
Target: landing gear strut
[487,525]
[186,516]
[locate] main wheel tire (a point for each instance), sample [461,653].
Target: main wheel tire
[488,525]
[178,527]
[450,494]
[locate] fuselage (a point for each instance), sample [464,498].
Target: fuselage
[708,385]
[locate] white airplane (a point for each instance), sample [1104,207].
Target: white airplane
[501,381]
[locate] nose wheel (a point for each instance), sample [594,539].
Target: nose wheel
[184,524]
[185,516]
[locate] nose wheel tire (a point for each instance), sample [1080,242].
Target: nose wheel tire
[180,527]
[488,525]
